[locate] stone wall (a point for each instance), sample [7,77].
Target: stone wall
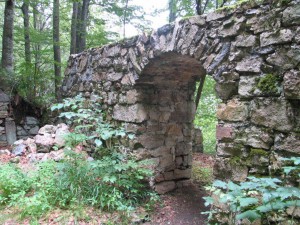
[10,131]
[148,82]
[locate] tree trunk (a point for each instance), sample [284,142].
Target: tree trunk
[74,28]
[172,11]
[124,18]
[82,24]
[37,49]
[7,61]
[25,11]
[56,46]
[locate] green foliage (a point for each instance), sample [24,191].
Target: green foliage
[88,122]
[202,175]
[13,183]
[205,117]
[114,181]
[256,198]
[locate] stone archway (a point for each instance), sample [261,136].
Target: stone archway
[255,65]
[166,88]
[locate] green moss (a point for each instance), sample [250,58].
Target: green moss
[258,152]
[235,161]
[268,83]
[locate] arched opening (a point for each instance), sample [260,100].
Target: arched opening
[166,88]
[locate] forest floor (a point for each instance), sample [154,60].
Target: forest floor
[180,207]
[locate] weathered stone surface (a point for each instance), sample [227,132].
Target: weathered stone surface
[19,150]
[291,84]
[234,110]
[134,113]
[246,41]
[45,139]
[224,133]
[250,65]
[164,187]
[277,37]
[284,59]
[34,130]
[182,174]
[272,112]
[229,150]
[4,97]
[29,120]
[247,86]
[151,141]
[149,82]
[10,130]
[215,16]
[60,133]
[226,90]
[289,143]
[291,15]
[258,137]
[47,129]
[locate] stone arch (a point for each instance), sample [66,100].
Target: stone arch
[255,64]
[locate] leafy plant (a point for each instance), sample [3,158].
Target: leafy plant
[264,199]
[88,123]
[13,183]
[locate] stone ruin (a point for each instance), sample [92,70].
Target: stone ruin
[148,82]
[13,126]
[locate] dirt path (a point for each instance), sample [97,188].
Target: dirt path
[181,207]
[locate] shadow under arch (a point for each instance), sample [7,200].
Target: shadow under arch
[166,88]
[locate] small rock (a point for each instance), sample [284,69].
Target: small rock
[15,159]
[4,152]
[19,150]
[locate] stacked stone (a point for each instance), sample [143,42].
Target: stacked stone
[4,103]
[28,128]
[149,81]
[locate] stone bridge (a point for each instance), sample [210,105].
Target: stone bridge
[148,82]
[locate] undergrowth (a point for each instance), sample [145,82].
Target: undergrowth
[113,181]
[265,200]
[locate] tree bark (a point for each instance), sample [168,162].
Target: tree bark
[81,29]
[7,61]
[124,18]
[56,46]
[25,11]
[74,28]
[172,11]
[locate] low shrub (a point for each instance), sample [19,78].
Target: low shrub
[269,200]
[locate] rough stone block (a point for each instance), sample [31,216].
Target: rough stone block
[164,187]
[10,130]
[248,86]
[4,97]
[288,142]
[134,113]
[291,15]
[258,137]
[166,162]
[284,59]
[151,141]
[272,112]
[29,120]
[234,110]
[291,84]
[182,174]
[224,133]
[250,65]
[245,41]
[226,90]
[277,37]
